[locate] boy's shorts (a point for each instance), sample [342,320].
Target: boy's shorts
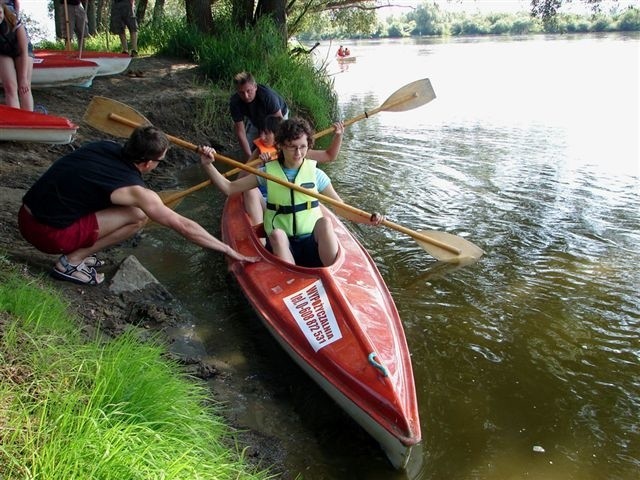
[81,234]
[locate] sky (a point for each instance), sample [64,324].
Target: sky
[37,10]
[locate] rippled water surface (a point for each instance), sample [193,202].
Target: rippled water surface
[530,150]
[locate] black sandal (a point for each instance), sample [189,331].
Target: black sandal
[89,273]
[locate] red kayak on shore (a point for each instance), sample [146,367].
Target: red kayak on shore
[18,125]
[340,324]
[109,63]
[60,70]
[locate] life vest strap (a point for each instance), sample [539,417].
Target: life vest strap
[286,209]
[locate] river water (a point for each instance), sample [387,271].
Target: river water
[526,363]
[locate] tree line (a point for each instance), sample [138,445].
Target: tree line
[321,19]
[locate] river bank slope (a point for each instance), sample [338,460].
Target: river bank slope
[167,91]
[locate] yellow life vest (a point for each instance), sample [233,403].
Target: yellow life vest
[294,212]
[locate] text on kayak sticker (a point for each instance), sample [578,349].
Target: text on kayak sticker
[312,311]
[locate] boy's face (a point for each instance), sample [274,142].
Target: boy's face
[268,138]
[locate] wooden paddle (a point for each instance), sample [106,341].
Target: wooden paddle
[67,42]
[115,118]
[412,95]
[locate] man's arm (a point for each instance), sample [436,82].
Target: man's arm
[241,133]
[151,204]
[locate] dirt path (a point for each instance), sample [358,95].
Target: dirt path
[167,92]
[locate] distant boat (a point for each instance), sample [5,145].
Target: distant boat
[61,70]
[18,125]
[109,63]
[349,59]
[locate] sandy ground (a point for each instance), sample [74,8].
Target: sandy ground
[167,92]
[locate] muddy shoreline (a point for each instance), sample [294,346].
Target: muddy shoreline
[167,91]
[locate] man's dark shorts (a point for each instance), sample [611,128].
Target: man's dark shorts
[122,16]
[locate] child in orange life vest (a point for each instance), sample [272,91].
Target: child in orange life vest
[255,200]
[302,236]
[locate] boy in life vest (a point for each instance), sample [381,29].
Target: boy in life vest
[297,232]
[255,200]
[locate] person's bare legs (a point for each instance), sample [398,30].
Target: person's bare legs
[123,42]
[254,205]
[115,225]
[280,245]
[134,41]
[24,90]
[327,241]
[9,81]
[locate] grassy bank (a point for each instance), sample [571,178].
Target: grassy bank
[72,408]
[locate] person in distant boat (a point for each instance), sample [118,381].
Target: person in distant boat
[74,20]
[340,53]
[297,232]
[347,52]
[250,106]
[256,198]
[16,60]
[95,197]
[123,17]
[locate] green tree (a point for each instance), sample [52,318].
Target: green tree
[630,20]
[428,18]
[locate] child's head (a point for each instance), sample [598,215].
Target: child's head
[292,130]
[268,133]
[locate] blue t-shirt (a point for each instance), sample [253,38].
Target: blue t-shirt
[322,179]
[267,102]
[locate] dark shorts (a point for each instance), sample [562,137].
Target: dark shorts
[80,234]
[304,251]
[122,16]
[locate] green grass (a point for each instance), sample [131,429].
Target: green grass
[77,409]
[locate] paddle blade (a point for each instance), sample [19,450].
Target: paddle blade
[412,95]
[99,109]
[469,252]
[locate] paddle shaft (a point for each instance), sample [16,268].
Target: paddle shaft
[292,186]
[68,29]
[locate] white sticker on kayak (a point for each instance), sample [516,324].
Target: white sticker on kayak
[312,310]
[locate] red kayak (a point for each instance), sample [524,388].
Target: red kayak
[109,63]
[23,126]
[60,70]
[340,324]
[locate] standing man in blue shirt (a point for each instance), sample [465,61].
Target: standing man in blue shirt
[250,106]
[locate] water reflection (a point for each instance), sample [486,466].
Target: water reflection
[536,344]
